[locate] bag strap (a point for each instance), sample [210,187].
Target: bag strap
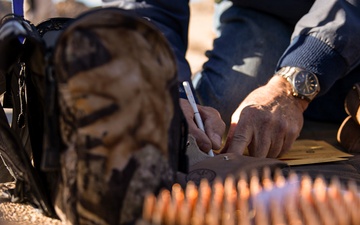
[18,7]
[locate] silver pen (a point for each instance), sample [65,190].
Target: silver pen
[197,116]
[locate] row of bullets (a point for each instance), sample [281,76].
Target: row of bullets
[267,201]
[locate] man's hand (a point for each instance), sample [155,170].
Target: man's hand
[214,126]
[267,122]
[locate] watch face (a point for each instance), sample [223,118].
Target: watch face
[305,83]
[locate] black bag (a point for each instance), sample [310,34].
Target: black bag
[24,66]
[39,61]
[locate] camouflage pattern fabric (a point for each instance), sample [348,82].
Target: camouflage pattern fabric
[114,74]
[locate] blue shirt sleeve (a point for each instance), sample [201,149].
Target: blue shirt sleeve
[326,41]
[172,19]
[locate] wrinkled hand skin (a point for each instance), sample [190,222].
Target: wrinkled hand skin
[267,122]
[214,126]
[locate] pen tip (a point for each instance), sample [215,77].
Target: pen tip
[211,153]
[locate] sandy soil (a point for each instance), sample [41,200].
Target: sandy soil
[201,32]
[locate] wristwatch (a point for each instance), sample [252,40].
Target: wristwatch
[305,85]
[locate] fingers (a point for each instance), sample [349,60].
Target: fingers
[272,143]
[203,141]
[246,135]
[275,148]
[288,141]
[214,126]
[278,135]
[284,137]
[230,134]
[267,121]
[238,139]
[263,135]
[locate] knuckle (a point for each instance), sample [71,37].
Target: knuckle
[240,138]
[211,111]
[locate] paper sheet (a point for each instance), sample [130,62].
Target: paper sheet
[313,151]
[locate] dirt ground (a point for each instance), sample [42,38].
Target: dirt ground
[201,32]
[200,40]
